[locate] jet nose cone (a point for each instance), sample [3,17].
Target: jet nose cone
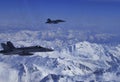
[49,50]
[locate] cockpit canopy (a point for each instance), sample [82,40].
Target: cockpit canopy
[38,46]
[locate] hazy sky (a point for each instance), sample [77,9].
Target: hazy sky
[85,14]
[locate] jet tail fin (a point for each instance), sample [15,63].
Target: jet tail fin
[48,20]
[4,46]
[10,45]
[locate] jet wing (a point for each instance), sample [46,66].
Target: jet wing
[25,53]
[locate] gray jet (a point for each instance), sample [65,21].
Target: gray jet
[49,21]
[9,49]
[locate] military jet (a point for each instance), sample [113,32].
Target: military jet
[9,49]
[49,21]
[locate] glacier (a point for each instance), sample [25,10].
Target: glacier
[77,58]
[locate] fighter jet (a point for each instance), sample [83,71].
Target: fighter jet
[10,49]
[49,21]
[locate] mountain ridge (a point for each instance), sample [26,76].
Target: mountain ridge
[75,61]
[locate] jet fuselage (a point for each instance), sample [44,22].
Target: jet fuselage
[25,50]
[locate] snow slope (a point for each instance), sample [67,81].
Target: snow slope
[70,62]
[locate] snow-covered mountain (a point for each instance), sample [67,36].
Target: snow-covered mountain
[77,58]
